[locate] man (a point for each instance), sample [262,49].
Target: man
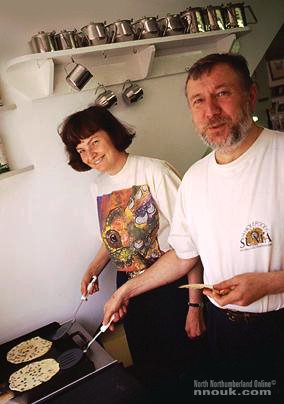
[230,212]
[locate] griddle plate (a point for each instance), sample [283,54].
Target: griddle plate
[61,380]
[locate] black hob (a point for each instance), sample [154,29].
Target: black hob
[95,360]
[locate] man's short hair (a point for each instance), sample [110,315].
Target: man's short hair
[237,62]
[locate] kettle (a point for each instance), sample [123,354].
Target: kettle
[95,32]
[120,31]
[172,24]
[236,16]
[216,17]
[195,20]
[106,98]
[43,42]
[68,39]
[146,27]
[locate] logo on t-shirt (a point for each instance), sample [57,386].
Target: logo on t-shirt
[255,235]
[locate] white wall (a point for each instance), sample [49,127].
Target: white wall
[48,223]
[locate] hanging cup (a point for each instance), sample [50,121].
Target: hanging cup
[131,92]
[78,77]
[106,98]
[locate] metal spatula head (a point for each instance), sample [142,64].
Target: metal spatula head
[61,331]
[70,358]
[73,356]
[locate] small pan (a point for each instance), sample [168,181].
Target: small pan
[61,331]
[71,357]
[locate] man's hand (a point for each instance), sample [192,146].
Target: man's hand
[117,306]
[241,290]
[195,324]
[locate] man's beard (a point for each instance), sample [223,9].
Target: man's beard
[238,130]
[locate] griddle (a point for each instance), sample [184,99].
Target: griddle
[59,381]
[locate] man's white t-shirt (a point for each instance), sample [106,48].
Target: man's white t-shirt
[232,215]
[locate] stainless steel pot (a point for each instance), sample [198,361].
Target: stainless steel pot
[120,31]
[236,15]
[216,17]
[195,20]
[146,27]
[96,33]
[43,42]
[69,39]
[172,24]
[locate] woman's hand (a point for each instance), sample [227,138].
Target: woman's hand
[94,269]
[195,324]
[87,278]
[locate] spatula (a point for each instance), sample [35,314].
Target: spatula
[61,331]
[71,357]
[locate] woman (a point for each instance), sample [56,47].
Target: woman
[135,199]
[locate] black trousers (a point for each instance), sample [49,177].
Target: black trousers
[154,327]
[247,348]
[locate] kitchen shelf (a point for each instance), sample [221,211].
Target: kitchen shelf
[11,173]
[7,107]
[41,75]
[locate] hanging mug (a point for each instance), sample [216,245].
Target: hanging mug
[106,98]
[78,77]
[132,93]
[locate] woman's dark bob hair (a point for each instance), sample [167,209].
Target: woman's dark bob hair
[84,124]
